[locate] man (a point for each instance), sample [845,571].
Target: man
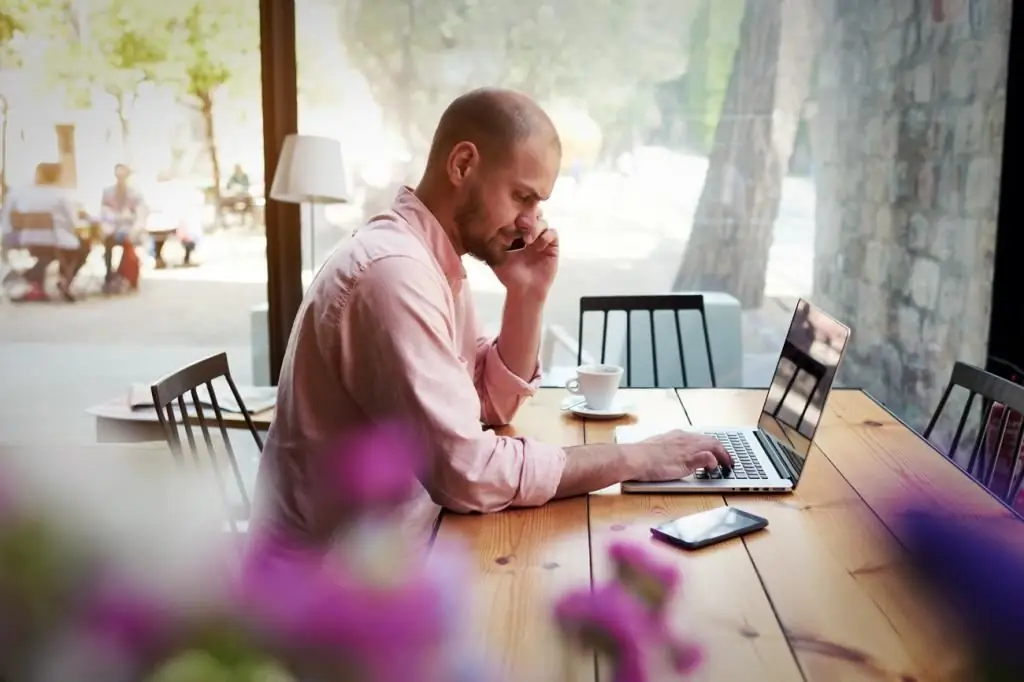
[122,214]
[238,198]
[239,181]
[41,219]
[388,330]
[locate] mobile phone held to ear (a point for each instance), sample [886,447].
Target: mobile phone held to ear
[708,527]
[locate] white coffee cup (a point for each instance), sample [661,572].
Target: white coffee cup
[598,384]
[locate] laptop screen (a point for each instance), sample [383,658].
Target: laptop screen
[803,378]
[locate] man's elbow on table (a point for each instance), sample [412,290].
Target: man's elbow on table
[495,474]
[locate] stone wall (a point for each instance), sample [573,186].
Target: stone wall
[908,142]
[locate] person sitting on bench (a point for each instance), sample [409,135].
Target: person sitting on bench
[175,209]
[122,211]
[40,218]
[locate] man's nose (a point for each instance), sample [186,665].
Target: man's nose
[526,222]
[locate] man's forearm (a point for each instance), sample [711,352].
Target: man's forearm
[593,467]
[519,339]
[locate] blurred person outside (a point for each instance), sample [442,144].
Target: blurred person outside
[238,190]
[122,214]
[45,202]
[175,209]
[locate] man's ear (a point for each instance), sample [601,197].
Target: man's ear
[462,162]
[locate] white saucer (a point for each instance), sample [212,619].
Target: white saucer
[619,408]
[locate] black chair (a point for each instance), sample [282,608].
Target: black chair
[181,389]
[993,390]
[675,304]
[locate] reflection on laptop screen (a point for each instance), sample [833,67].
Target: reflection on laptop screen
[803,378]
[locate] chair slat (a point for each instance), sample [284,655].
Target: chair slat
[171,391]
[987,448]
[650,304]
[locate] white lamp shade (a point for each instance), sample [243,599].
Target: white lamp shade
[310,170]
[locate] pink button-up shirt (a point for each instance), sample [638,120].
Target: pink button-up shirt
[388,329]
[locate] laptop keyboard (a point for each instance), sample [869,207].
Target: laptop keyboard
[744,465]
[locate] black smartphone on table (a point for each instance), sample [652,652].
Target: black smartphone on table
[708,527]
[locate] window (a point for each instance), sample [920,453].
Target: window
[848,153]
[171,90]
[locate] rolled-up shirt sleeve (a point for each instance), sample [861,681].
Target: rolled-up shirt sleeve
[501,391]
[398,358]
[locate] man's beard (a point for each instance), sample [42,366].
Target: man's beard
[468,216]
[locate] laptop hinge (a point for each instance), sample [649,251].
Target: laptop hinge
[771,449]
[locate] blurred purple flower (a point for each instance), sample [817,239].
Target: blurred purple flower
[650,580]
[614,622]
[312,605]
[372,468]
[610,620]
[977,570]
[626,619]
[121,615]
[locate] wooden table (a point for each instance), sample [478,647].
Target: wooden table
[116,422]
[819,595]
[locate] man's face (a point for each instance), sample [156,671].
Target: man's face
[498,200]
[121,174]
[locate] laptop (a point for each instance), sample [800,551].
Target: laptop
[769,457]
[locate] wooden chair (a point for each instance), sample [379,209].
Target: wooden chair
[998,396]
[69,262]
[21,222]
[170,393]
[673,304]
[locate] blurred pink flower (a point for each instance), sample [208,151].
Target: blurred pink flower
[650,580]
[610,620]
[126,618]
[373,468]
[626,619]
[311,606]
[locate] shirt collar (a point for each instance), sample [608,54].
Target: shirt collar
[410,208]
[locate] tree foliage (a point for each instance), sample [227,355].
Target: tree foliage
[216,42]
[418,54]
[19,18]
[111,46]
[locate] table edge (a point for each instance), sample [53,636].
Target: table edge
[1013,512]
[944,458]
[148,414]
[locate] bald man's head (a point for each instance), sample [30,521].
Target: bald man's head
[493,119]
[497,154]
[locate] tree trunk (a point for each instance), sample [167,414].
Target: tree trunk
[206,109]
[733,227]
[125,124]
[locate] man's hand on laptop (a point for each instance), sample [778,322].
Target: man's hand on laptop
[678,454]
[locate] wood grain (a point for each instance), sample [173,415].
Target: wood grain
[723,603]
[526,558]
[891,465]
[834,572]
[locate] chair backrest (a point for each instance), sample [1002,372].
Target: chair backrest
[36,220]
[997,394]
[181,390]
[647,305]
